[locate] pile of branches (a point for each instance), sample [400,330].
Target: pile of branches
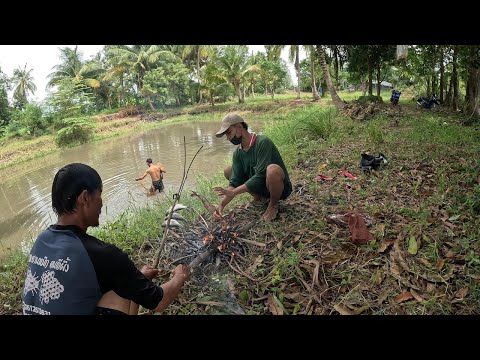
[202,245]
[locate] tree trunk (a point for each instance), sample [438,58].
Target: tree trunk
[467,87]
[442,75]
[150,103]
[238,91]
[122,97]
[434,75]
[370,70]
[198,75]
[312,77]
[429,89]
[473,92]
[448,99]
[335,65]
[455,79]
[297,68]
[339,104]
[211,99]
[379,86]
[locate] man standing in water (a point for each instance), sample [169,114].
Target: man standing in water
[156,173]
[257,168]
[73,273]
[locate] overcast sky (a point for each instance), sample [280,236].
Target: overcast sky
[42,58]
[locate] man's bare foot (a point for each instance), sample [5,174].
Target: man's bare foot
[271,213]
[260,201]
[257,202]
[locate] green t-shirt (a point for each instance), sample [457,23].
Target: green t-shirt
[250,167]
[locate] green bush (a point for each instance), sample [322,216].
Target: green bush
[375,133]
[319,124]
[14,129]
[32,119]
[76,131]
[370,98]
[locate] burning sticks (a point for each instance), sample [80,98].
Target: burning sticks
[221,242]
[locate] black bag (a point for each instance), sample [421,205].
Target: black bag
[369,162]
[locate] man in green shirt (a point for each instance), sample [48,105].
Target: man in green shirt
[257,168]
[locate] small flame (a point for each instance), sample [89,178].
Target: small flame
[207,239]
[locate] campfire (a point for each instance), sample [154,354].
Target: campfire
[201,244]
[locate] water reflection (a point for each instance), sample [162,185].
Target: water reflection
[25,199]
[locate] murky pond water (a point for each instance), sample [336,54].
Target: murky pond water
[25,191]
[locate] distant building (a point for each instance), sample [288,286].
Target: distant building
[384,86]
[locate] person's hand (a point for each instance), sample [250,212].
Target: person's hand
[225,192]
[218,214]
[182,273]
[149,272]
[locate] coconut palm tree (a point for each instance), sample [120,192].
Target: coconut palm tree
[274,51]
[71,66]
[339,104]
[139,59]
[233,63]
[23,85]
[309,49]
[199,53]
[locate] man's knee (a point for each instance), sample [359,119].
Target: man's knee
[275,171]
[227,172]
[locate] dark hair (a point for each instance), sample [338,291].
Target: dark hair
[245,125]
[149,160]
[69,182]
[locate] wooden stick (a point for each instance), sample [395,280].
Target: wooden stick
[251,242]
[176,199]
[148,190]
[200,258]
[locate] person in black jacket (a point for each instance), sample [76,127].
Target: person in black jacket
[71,272]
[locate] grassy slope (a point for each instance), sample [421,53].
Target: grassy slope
[429,195]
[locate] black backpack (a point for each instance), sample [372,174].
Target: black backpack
[369,162]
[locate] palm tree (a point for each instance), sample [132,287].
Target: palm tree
[199,52]
[232,60]
[309,49]
[339,104]
[23,85]
[72,67]
[139,59]
[273,52]
[213,82]
[295,54]
[69,66]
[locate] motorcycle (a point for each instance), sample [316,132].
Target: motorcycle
[426,103]
[395,97]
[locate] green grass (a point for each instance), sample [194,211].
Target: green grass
[433,172]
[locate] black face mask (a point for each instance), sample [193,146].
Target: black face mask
[236,140]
